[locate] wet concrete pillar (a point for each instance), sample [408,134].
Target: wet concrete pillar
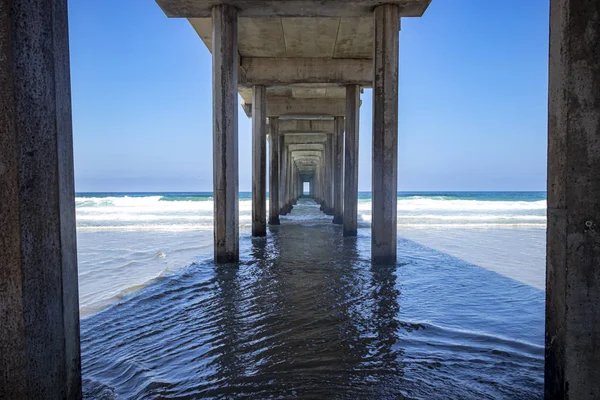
[323,177]
[259,161]
[386,25]
[274,171]
[296,182]
[290,184]
[328,207]
[313,184]
[331,173]
[572,369]
[318,183]
[39,310]
[282,175]
[338,156]
[351,161]
[225,133]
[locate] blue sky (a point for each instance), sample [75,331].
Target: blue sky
[472,99]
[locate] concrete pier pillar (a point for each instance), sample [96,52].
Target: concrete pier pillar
[572,369]
[290,183]
[39,310]
[386,25]
[313,185]
[328,208]
[259,161]
[338,170]
[351,161]
[283,158]
[322,180]
[225,133]
[274,171]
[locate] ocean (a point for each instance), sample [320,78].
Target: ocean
[304,314]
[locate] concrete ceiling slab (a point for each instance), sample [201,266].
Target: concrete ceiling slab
[310,37]
[354,38]
[290,8]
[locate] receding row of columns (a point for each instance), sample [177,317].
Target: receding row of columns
[330,180]
[327,175]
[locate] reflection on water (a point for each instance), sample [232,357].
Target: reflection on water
[305,315]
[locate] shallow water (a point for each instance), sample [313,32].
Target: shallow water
[305,315]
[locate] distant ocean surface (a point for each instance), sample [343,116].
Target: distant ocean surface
[305,315]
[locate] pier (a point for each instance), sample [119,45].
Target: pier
[299,67]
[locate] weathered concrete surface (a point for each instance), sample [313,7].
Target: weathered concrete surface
[295,55]
[304,91]
[274,172]
[317,138]
[385,134]
[572,369]
[259,161]
[225,134]
[289,71]
[285,106]
[283,161]
[289,196]
[351,161]
[328,182]
[39,311]
[293,8]
[306,126]
[338,171]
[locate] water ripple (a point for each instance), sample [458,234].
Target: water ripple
[306,316]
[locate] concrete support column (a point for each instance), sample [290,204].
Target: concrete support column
[318,183]
[39,310]
[572,368]
[338,157]
[283,157]
[259,161]
[315,183]
[386,25]
[290,183]
[321,178]
[225,133]
[351,161]
[296,184]
[328,207]
[274,171]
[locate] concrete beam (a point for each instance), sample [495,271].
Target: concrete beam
[289,71]
[305,139]
[306,125]
[304,153]
[313,147]
[290,8]
[285,106]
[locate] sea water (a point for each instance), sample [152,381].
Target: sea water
[304,314]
